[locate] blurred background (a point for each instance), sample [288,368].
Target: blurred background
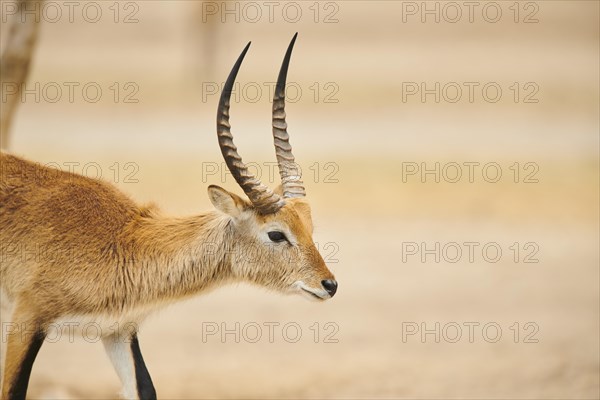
[450,154]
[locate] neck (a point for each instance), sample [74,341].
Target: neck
[173,258]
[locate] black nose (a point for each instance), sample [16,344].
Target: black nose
[330,285]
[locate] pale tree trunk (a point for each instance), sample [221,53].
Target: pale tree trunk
[24,20]
[203,32]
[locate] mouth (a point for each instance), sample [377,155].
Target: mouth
[314,294]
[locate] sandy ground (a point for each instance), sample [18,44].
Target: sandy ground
[521,325]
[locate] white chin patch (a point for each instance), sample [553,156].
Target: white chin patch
[309,292]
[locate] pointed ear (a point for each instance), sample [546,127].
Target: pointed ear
[225,201]
[303,210]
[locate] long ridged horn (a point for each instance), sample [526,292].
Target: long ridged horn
[263,198]
[291,179]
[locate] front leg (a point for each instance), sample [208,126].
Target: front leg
[126,357]
[22,348]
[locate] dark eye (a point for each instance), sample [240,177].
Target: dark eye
[277,236]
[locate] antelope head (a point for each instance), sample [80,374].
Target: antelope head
[271,232]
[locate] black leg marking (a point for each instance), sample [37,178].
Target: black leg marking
[18,390]
[145,387]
